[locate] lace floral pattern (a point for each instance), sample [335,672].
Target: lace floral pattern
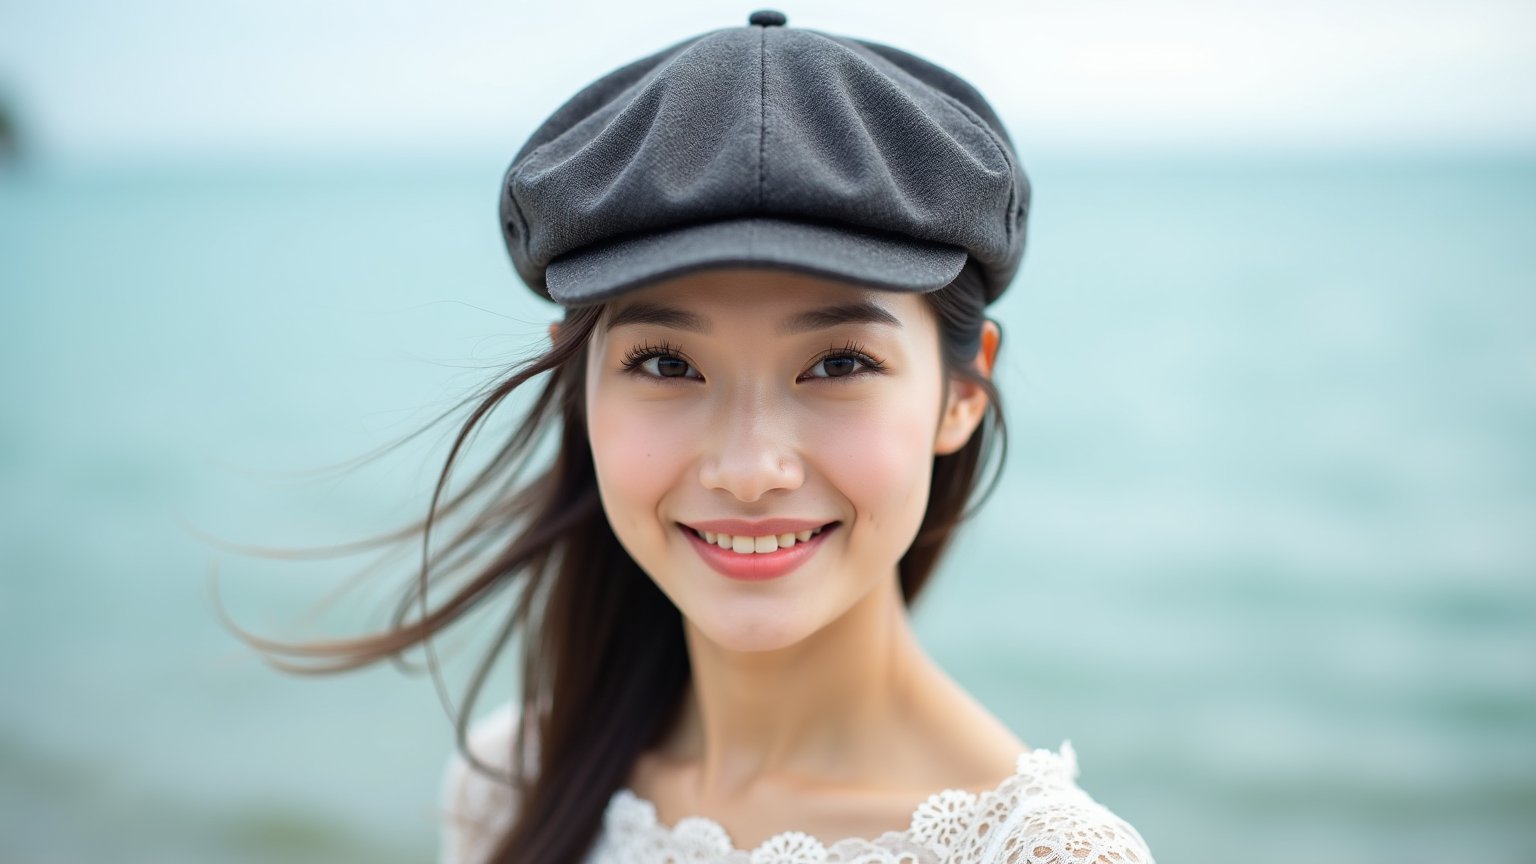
[1038,815]
[938,822]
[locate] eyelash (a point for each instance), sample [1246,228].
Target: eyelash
[635,359]
[641,353]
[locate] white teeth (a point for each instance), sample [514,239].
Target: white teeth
[756,545]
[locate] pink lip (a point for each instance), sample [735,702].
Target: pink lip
[760,528]
[761,565]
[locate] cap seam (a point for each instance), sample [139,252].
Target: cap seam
[1013,183]
[965,111]
[762,112]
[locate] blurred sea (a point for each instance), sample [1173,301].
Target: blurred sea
[1265,548]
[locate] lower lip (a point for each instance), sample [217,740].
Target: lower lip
[759,565]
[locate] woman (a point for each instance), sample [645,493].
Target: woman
[771,403]
[775,248]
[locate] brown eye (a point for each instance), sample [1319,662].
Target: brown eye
[659,361]
[841,366]
[671,367]
[837,367]
[666,366]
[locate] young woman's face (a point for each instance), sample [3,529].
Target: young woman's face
[728,400]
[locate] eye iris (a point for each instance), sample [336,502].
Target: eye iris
[839,366]
[671,367]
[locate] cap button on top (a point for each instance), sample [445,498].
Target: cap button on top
[768,18]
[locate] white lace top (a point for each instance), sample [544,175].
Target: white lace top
[1038,815]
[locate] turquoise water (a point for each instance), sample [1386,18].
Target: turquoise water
[1264,549]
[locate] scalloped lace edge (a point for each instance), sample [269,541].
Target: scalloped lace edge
[688,830]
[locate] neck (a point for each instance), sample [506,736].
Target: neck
[832,704]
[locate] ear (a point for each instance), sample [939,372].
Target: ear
[967,403]
[554,330]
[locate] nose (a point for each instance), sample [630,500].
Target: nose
[750,453]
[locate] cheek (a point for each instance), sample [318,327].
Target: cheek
[636,457]
[882,461]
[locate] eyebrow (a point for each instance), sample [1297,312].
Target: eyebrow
[662,316]
[862,312]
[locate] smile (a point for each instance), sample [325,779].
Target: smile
[743,545]
[754,558]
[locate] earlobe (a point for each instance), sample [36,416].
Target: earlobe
[967,402]
[554,331]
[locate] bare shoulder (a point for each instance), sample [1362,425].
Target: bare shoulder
[975,747]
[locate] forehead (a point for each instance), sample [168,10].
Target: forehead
[694,301]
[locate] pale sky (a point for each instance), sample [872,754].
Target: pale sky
[108,80]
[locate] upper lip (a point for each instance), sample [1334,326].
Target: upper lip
[760,528]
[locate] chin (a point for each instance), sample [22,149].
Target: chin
[746,630]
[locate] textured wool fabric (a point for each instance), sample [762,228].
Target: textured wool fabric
[767,146]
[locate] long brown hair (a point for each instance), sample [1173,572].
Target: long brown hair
[603,671]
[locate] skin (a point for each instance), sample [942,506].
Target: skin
[812,706]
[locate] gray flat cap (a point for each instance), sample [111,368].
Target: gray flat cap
[766,146]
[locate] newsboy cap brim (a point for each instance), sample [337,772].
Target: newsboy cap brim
[598,272]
